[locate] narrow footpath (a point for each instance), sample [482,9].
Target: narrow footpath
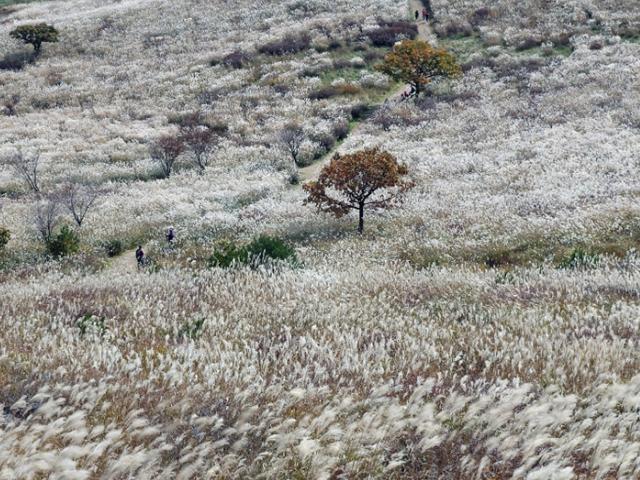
[426,33]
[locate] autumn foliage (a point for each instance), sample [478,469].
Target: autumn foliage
[418,63]
[369,178]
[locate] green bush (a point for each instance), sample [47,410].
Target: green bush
[113,248]
[258,251]
[271,247]
[5,236]
[191,330]
[64,243]
[227,254]
[579,258]
[91,323]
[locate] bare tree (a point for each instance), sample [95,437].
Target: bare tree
[26,167]
[200,140]
[165,151]
[47,217]
[78,200]
[292,136]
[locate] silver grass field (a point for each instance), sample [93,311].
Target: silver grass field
[488,328]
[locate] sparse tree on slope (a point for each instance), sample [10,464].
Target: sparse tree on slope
[418,63]
[165,151]
[26,167]
[366,179]
[292,136]
[36,35]
[200,140]
[78,200]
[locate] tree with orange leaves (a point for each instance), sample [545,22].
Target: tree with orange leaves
[370,178]
[418,63]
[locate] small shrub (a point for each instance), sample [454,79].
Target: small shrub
[16,61]
[391,32]
[270,247]
[361,111]
[293,43]
[323,93]
[90,323]
[191,330]
[5,236]
[578,258]
[480,15]
[227,254]
[113,248]
[454,28]
[528,43]
[64,243]
[258,251]
[237,59]
[325,139]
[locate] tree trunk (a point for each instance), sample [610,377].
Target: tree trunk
[361,218]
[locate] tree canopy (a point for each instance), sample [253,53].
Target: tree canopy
[370,178]
[418,63]
[35,34]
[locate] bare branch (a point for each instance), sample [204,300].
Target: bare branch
[26,167]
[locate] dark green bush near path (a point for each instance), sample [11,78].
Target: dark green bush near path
[64,243]
[113,248]
[257,252]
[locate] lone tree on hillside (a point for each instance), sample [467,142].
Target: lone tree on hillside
[165,151]
[292,136]
[369,178]
[36,35]
[418,63]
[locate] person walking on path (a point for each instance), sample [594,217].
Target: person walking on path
[140,257]
[425,14]
[417,14]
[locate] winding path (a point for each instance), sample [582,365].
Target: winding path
[426,33]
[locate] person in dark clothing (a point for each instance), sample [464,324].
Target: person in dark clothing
[140,257]
[170,236]
[425,15]
[417,15]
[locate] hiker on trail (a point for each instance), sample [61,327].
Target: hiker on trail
[170,236]
[417,15]
[140,257]
[425,15]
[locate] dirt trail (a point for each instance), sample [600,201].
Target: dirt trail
[426,33]
[124,263]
